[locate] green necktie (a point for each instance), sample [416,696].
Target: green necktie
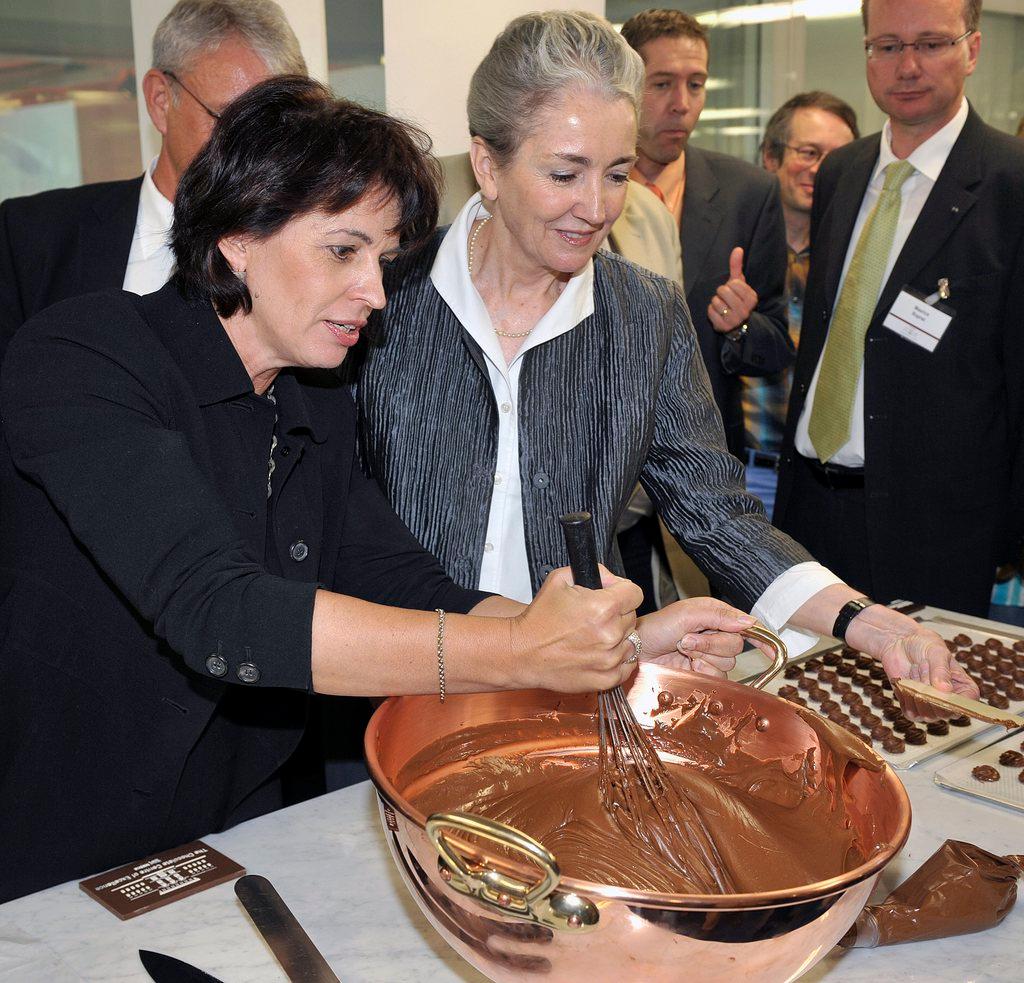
[829,426]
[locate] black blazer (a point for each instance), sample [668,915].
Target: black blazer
[62,244]
[727,203]
[134,583]
[943,430]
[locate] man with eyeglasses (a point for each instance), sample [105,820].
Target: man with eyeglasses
[67,242]
[801,133]
[902,465]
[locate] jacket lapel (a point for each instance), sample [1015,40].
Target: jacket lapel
[105,237]
[701,219]
[949,201]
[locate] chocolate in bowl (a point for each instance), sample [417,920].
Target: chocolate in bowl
[620,932]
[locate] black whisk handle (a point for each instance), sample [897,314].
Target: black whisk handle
[581,545]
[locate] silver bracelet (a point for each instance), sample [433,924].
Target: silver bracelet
[440,650]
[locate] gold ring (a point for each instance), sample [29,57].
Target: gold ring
[725,312]
[638,647]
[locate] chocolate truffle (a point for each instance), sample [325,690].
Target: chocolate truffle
[786,692]
[993,643]
[828,706]
[852,699]
[951,645]
[1020,777]
[876,672]
[870,719]
[864,662]
[939,728]
[892,713]
[841,687]
[806,682]
[838,717]
[1015,692]
[998,701]
[849,653]
[902,724]
[985,773]
[1018,646]
[915,736]
[831,658]
[894,745]
[978,649]
[962,639]
[989,674]
[812,664]
[827,675]
[870,689]
[792,672]
[963,721]
[1011,758]
[880,732]
[846,669]
[1018,675]
[881,701]
[986,689]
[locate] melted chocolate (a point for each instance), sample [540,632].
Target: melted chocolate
[541,776]
[959,889]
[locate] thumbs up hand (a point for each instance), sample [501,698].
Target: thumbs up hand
[735,300]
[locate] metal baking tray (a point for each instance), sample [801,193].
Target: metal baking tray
[1008,791]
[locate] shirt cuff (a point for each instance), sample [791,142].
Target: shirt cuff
[785,594]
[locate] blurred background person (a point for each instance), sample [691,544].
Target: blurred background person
[801,133]
[116,234]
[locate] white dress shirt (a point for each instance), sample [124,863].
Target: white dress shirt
[928,161]
[505,568]
[151,260]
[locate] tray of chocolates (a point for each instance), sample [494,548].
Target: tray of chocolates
[995,773]
[852,690]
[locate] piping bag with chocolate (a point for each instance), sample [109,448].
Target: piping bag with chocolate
[959,889]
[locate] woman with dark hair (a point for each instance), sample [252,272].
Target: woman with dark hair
[189,549]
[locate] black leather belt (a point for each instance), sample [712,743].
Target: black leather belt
[835,475]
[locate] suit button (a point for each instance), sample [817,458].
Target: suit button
[541,480]
[803,387]
[248,673]
[298,551]
[546,570]
[216,666]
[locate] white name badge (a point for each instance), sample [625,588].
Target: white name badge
[918,321]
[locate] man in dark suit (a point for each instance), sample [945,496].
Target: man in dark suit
[71,241]
[730,217]
[902,459]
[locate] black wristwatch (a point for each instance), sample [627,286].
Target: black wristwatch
[847,613]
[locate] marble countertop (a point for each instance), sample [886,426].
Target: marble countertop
[328,859]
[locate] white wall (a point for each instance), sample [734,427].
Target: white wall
[431,50]
[305,16]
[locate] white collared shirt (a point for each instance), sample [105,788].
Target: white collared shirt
[928,161]
[151,260]
[505,568]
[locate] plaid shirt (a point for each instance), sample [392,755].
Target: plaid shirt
[766,398]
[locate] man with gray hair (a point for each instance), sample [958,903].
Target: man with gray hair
[70,241]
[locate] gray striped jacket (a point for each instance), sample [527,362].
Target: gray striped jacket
[622,397]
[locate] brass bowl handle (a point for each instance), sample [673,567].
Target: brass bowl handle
[780,659]
[539,902]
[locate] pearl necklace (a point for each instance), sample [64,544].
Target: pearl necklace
[472,247]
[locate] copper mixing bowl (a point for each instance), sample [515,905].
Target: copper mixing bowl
[497,897]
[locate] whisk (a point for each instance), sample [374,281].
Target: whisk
[634,784]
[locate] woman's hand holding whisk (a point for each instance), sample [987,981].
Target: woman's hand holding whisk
[575,640]
[697,633]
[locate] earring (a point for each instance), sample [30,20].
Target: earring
[240,274]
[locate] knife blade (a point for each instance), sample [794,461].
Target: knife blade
[299,957]
[167,969]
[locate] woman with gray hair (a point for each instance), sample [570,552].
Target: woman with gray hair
[518,373]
